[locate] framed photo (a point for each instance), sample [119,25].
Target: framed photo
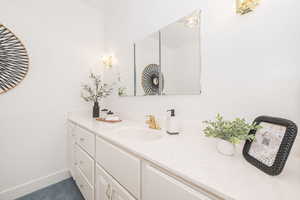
[272,145]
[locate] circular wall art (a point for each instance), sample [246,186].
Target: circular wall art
[14,60]
[150,79]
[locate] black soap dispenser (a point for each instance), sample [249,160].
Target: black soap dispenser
[172,125]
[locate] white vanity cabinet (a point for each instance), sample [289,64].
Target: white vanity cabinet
[103,170]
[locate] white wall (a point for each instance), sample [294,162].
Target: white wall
[64,40]
[250,63]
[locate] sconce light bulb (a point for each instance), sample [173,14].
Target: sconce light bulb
[107,61]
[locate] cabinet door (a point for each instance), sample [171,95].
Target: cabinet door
[159,186]
[103,185]
[85,188]
[119,193]
[118,196]
[109,189]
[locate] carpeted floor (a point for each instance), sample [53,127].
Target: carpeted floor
[65,190]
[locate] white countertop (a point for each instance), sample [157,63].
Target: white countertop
[195,158]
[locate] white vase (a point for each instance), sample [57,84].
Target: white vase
[226,148]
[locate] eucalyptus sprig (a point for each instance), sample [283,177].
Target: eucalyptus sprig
[234,131]
[98,90]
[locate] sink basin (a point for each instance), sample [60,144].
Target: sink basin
[142,134]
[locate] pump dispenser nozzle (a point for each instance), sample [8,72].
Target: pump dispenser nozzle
[172,112]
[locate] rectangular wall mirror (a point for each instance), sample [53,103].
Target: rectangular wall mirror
[167,62]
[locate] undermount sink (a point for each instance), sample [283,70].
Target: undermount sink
[142,134]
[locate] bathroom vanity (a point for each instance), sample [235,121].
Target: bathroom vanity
[127,161]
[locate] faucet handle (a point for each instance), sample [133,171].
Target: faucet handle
[149,119]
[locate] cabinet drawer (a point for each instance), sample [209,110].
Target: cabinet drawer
[122,166]
[159,186]
[86,140]
[85,188]
[71,131]
[86,164]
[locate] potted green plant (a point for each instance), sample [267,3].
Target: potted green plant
[95,92]
[229,133]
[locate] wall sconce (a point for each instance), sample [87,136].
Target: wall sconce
[107,61]
[193,20]
[246,6]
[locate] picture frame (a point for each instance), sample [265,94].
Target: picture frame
[272,145]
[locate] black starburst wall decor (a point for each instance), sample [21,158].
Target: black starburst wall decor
[14,60]
[151,79]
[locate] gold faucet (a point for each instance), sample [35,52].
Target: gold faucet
[153,123]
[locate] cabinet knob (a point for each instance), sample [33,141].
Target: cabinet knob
[81,139]
[81,186]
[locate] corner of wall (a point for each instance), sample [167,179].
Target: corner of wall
[34,185]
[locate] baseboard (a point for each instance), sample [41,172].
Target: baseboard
[34,185]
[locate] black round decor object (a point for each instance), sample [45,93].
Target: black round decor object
[14,60]
[151,80]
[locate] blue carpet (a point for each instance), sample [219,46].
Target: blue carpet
[65,190]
